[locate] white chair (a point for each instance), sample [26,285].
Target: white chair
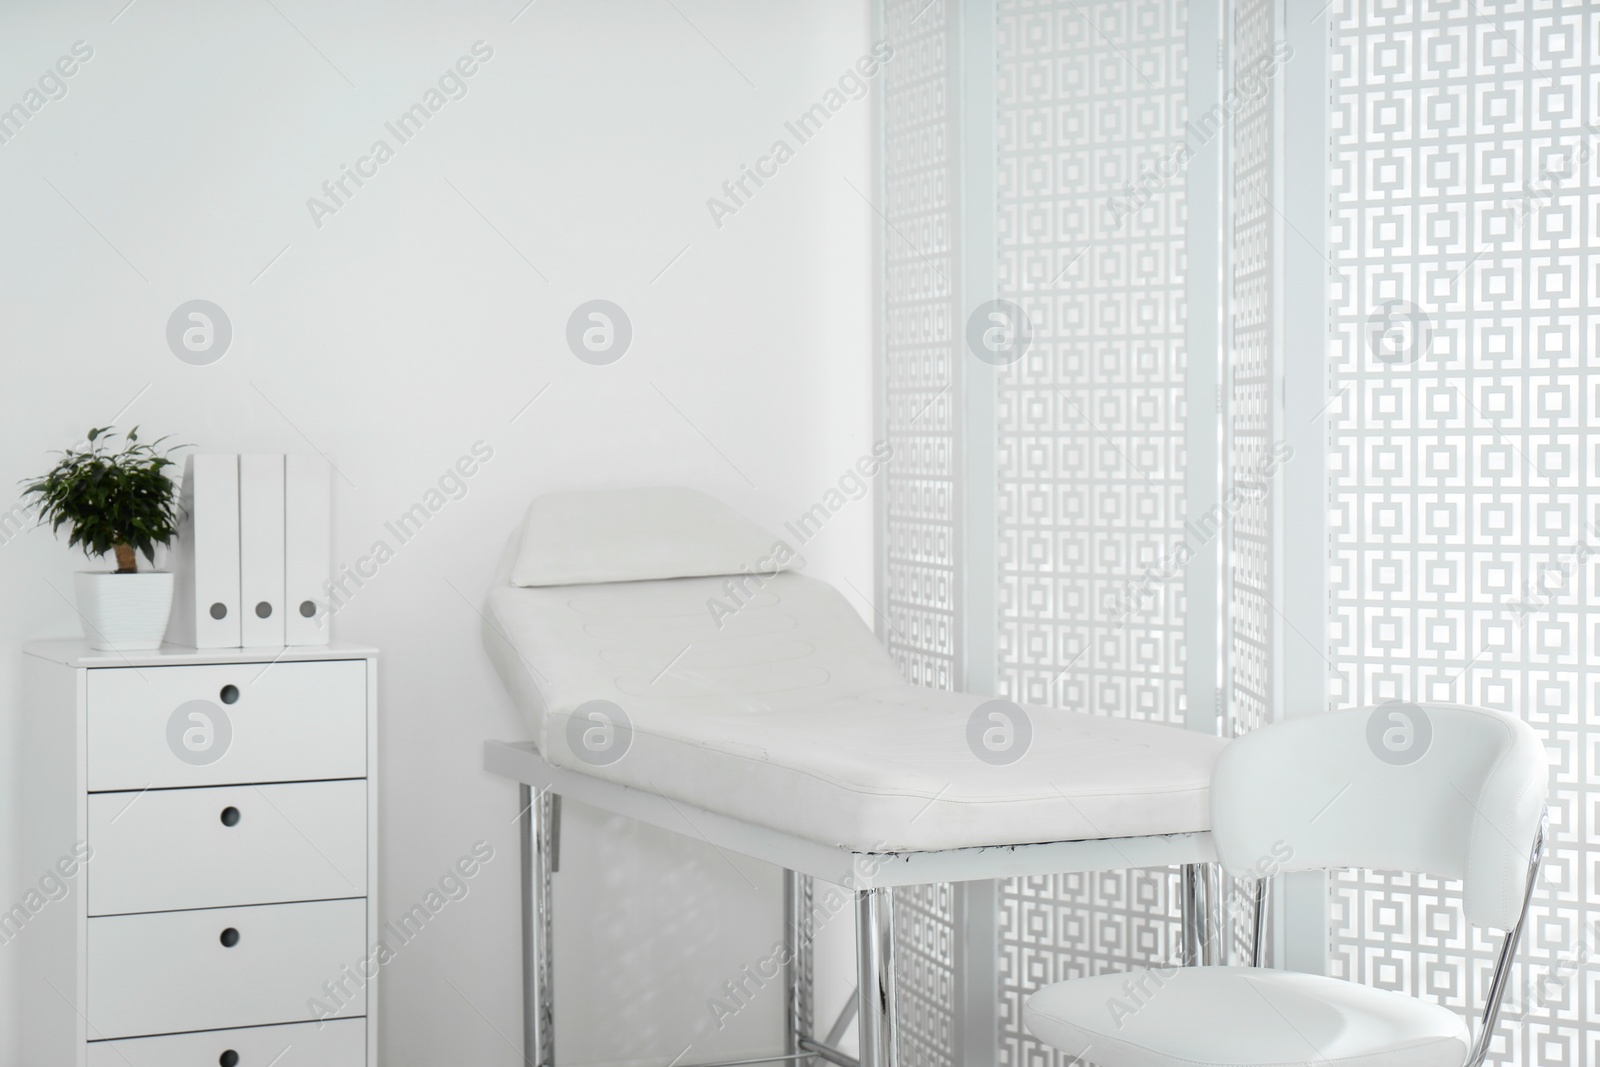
[1444,790]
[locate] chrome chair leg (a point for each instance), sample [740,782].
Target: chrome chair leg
[1260,918]
[538,840]
[798,966]
[1501,980]
[1203,927]
[875,989]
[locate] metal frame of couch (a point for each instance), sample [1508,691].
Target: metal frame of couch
[870,875]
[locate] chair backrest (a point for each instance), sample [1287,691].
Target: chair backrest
[1439,789]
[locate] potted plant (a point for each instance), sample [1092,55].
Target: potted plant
[119,501]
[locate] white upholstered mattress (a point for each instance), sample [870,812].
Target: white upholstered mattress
[791,715]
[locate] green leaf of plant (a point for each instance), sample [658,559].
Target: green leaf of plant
[106,497]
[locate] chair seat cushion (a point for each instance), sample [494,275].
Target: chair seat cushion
[772,702]
[1242,1017]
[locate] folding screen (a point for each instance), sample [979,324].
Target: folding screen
[919,578]
[921,587]
[1224,370]
[1089,434]
[1028,499]
[1464,456]
[1254,369]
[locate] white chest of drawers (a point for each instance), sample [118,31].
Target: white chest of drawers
[199,849]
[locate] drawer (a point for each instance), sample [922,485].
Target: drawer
[152,727]
[169,972]
[161,850]
[339,1043]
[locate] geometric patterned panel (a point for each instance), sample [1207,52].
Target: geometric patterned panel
[1465,454]
[925,971]
[920,541]
[1091,418]
[1090,424]
[1253,375]
[921,582]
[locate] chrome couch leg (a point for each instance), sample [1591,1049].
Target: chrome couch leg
[797,971]
[538,837]
[875,990]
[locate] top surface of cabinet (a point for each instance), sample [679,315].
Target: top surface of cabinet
[75,652]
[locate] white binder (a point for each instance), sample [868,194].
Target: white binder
[308,554]
[205,605]
[261,550]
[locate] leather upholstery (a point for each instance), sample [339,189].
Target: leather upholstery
[1318,792]
[1242,1017]
[787,712]
[1451,791]
[629,535]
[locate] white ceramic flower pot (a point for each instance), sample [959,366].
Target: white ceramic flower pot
[124,612]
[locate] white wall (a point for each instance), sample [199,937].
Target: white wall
[406,328]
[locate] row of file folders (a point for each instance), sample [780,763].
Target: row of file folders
[253,552]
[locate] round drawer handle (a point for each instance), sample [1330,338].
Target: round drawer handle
[229,694]
[229,938]
[230,816]
[229,1058]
